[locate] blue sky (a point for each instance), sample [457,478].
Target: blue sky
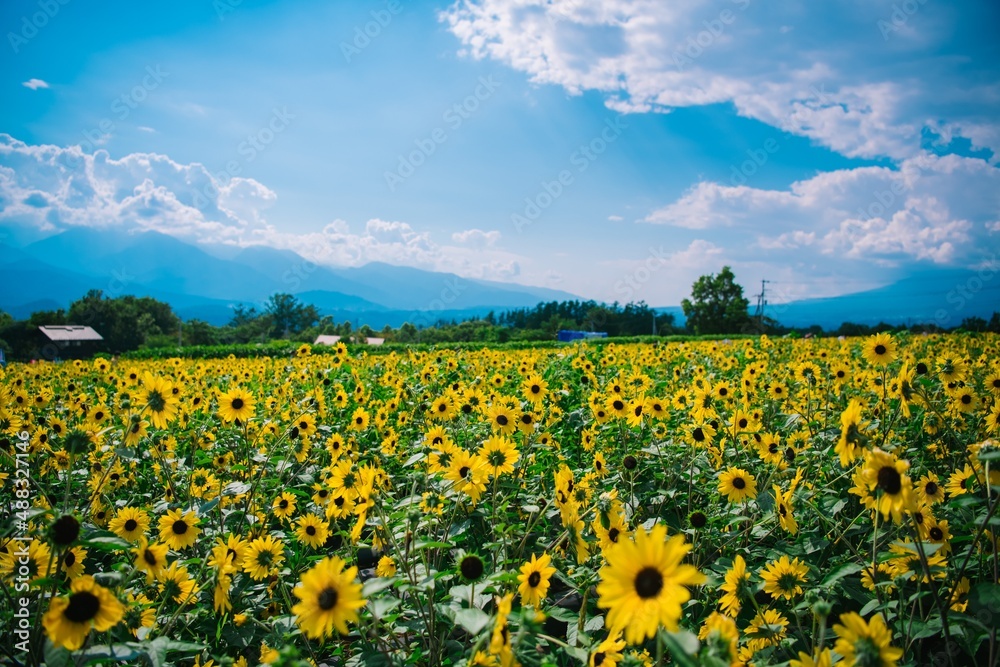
[829,147]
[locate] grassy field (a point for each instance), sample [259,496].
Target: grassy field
[691,502]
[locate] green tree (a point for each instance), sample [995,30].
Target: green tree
[289,316]
[717,305]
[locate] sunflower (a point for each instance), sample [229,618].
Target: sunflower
[502,419]
[720,634]
[784,577]
[852,434]
[822,658]
[158,400]
[643,584]
[881,576]
[329,598]
[929,490]
[71,562]
[312,531]
[179,531]
[264,556]
[534,580]
[139,614]
[608,653]
[783,508]
[89,605]
[442,408]
[500,645]
[767,628]
[535,388]
[885,473]
[130,524]
[236,405]
[500,455]
[861,643]
[879,350]
[737,485]
[304,426]
[284,505]
[150,558]
[959,482]
[39,559]
[176,583]
[736,587]
[469,474]
[386,567]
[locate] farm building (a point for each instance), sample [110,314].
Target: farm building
[333,340]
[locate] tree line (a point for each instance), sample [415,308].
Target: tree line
[716,306]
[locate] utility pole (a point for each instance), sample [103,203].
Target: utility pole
[761,302]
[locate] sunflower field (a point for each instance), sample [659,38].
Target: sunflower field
[749,502]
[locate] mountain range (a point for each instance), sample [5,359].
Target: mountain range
[206,284]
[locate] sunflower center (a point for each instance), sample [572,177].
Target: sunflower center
[463,472]
[648,583]
[70,558]
[739,483]
[180,527]
[131,525]
[327,599]
[936,534]
[155,401]
[534,579]
[83,606]
[65,530]
[502,420]
[237,404]
[889,480]
[598,659]
[880,349]
[149,557]
[310,530]
[613,534]
[931,488]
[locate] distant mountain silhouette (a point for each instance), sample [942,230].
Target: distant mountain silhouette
[60,269]
[52,272]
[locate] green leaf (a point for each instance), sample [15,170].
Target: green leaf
[869,608]
[208,507]
[843,571]
[105,541]
[682,646]
[376,585]
[413,459]
[235,488]
[119,652]
[472,620]
[56,656]
[984,604]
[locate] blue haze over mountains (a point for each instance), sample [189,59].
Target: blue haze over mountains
[50,273]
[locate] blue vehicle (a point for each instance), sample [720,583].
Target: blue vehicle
[565,335]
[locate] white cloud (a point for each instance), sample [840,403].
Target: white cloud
[35,84]
[615,218]
[936,209]
[476,238]
[858,94]
[143,128]
[55,188]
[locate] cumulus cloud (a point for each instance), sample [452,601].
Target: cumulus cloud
[859,96]
[940,209]
[476,238]
[54,189]
[35,84]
